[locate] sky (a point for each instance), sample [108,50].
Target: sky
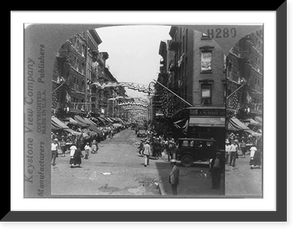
[133,52]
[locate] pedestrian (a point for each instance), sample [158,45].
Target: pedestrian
[72,149]
[156,147]
[87,149]
[233,152]
[54,151]
[216,170]
[76,157]
[147,153]
[63,146]
[94,147]
[253,150]
[174,177]
[227,151]
[171,148]
[141,147]
[243,148]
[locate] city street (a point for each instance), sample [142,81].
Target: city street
[242,181]
[118,170]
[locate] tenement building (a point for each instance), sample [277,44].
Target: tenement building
[78,66]
[244,74]
[193,69]
[196,69]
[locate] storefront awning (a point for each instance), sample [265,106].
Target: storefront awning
[252,122]
[72,132]
[58,124]
[95,129]
[235,124]
[207,121]
[81,121]
[256,134]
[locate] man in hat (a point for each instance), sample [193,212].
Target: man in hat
[216,170]
[147,152]
[174,177]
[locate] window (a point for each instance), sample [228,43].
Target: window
[206,94]
[205,37]
[206,60]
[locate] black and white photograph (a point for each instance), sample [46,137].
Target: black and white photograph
[131,103]
[149,116]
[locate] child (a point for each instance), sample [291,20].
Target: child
[87,149]
[94,147]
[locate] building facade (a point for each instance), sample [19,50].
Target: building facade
[193,69]
[78,66]
[244,74]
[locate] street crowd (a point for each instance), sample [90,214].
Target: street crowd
[236,144]
[86,141]
[156,146]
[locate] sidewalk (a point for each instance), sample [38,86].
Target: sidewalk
[242,181]
[194,181]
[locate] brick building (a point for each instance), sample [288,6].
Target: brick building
[244,73]
[69,76]
[194,69]
[78,65]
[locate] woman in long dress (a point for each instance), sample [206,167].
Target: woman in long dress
[255,157]
[76,158]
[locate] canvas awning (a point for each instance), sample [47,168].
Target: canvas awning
[72,121]
[258,119]
[58,124]
[235,124]
[110,120]
[89,121]
[72,132]
[252,122]
[253,133]
[95,129]
[81,121]
[207,121]
[117,125]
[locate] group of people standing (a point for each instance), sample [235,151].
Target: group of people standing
[233,147]
[75,150]
[76,153]
[158,147]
